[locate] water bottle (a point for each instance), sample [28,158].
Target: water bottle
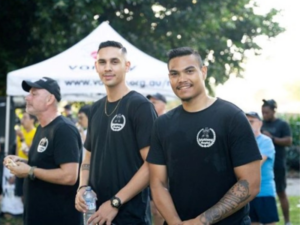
[90,200]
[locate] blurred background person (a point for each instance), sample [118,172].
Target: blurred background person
[83,119]
[25,135]
[280,133]
[263,209]
[159,101]
[68,113]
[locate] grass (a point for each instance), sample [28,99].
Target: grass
[294,214]
[294,210]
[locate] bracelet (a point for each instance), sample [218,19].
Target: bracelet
[82,186]
[22,139]
[31,173]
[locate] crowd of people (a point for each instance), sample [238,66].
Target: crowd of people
[203,162]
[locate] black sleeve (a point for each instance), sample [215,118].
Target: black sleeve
[67,144]
[144,118]
[243,146]
[156,155]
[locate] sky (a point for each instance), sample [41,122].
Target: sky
[275,73]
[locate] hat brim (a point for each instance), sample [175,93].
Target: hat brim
[27,85]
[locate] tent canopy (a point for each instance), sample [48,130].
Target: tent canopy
[75,72]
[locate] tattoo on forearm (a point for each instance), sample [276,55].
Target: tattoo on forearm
[228,204]
[85,167]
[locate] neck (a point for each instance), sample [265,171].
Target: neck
[198,103]
[47,117]
[28,129]
[257,133]
[116,93]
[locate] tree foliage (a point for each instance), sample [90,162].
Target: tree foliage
[222,30]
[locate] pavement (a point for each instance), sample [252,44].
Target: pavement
[293,187]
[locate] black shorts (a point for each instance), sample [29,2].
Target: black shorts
[19,187]
[263,210]
[280,179]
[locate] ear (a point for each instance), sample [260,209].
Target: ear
[50,99]
[204,72]
[127,64]
[96,65]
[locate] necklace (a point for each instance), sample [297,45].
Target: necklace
[105,109]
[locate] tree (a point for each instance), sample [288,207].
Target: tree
[222,31]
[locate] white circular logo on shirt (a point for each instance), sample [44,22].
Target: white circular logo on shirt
[43,144]
[206,137]
[118,122]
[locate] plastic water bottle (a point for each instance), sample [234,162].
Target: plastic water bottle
[90,200]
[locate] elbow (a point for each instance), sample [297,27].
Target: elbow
[70,180]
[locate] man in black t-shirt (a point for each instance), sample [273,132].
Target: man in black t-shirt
[280,133]
[117,144]
[51,173]
[203,151]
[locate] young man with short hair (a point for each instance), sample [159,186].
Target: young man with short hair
[117,144]
[203,151]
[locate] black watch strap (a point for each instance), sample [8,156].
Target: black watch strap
[115,202]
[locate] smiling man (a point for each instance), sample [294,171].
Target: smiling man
[203,151]
[117,144]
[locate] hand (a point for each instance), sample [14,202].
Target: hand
[11,159]
[79,201]
[105,214]
[20,169]
[19,133]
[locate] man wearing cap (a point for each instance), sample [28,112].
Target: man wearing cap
[263,207]
[159,101]
[280,133]
[68,113]
[51,172]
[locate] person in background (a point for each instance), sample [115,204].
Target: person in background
[117,144]
[204,161]
[68,113]
[159,101]
[280,133]
[83,119]
[51,172]
[263,209]
[24,140]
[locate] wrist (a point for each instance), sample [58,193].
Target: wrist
[82,186]
[31,173]
[22,139]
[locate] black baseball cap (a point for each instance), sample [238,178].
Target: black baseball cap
[158,96]
[271,102]
[43,83]
[253,115]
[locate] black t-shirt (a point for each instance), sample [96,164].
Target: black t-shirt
[115,142]
[200,151]
[47,203]
[278,128]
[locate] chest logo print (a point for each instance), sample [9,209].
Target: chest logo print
[206,137]
[118,122]
[43,144]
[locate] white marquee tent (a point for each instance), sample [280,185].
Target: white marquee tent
[74,71]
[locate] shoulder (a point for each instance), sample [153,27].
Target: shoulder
[134,100]
[63,124]
[227,110]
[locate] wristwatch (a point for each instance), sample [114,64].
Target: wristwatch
[115,202]
[31,173]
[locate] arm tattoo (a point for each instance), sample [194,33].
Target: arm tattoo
[85,167]
[230,203]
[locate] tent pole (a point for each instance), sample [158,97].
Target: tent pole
[7,120]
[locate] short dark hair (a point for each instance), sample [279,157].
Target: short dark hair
[112,44]
[270,103]
[85,109]
[183,51]
[32,117]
